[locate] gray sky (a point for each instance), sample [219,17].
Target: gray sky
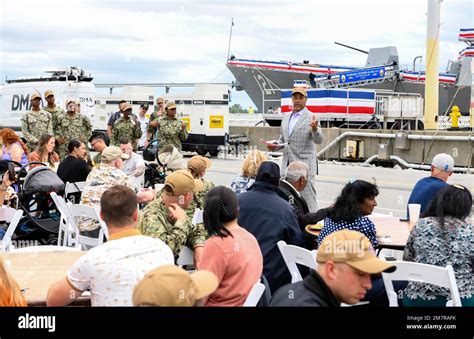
[161,41]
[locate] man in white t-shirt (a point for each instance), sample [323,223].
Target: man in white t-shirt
[144,120]
[112,270]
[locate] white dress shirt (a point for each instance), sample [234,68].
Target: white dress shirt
[293,120]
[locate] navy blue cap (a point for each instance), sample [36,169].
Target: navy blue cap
[268,172]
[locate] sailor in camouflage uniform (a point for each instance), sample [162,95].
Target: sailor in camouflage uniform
[100,179]
[154,117]
[197,166]
[52,108]
[36,122]
[69,126]
[126,127]
[165,219]
[171,130]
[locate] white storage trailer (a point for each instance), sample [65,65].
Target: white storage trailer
[69,83]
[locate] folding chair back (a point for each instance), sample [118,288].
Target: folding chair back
[67,224]
[186,257]
[73,191]
[13,217]
[297,255]
[255,294]
[424,273]
[88,212]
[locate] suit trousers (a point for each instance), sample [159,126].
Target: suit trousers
[309,194]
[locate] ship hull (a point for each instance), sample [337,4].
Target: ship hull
[264,88]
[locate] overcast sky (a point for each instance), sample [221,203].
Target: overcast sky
[177,41]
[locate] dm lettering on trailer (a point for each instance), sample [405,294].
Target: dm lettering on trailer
[20,102]
[87,101]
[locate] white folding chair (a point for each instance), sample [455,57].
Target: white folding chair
[88,212]
[423,273]
[186,257]
[67,225]
[255,294]
[13,217]
[46,248]
[74,187]
[297,255]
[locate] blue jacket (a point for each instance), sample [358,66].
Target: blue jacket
[270,219]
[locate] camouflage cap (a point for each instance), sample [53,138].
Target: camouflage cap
[160,99]
[170,105]
[199,164]
[112,153]
[182,182]
[48,93]
[170,285]
[34,96]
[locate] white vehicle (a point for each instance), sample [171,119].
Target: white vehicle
[67,83]
[107,104]
[206,114]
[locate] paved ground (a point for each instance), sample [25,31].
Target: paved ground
[395,184]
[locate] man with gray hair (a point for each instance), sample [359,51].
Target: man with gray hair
[294,182]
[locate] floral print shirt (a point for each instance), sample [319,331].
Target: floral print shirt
[452,244]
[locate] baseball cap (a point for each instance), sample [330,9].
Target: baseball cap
[160,99]
[145,106]
[170,285]
[126,106]
[268,172]
[300,90]
[354,249]
[69,101]
[170,105]
[34,96]
[181,182]
[48,93]
[444,162]
[112,153]
[199,164]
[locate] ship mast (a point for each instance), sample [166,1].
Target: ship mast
[230,38]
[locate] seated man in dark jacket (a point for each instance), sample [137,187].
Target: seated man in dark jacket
[346,261]
[270,219]
[296,177]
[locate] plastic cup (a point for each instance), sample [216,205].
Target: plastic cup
[414,211]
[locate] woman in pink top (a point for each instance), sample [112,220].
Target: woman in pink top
[231,253]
